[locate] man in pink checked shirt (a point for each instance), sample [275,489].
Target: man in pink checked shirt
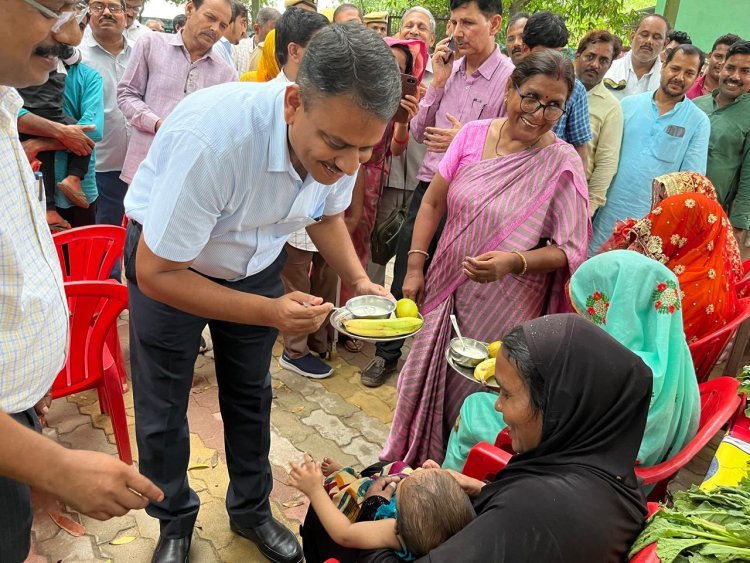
[165,68]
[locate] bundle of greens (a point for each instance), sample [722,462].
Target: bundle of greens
[744,378]
[703,526]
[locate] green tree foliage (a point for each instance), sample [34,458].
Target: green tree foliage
[581,16]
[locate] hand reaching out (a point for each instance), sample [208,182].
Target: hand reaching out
[307,476]
[438,139]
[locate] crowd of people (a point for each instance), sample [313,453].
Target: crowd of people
[588,212]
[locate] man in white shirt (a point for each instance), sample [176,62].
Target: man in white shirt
[247,52]
[234,170]
[640,69]
[33,311]
[133,27]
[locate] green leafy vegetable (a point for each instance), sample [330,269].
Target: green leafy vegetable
[703,527]
[744,378]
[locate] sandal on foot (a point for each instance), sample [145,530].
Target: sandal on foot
[352,345]
[77,198]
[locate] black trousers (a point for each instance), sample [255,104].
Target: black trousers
[164,346]
[15,500]
[78,216]
[391,351]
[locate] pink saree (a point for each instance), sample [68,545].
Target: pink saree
[514,202]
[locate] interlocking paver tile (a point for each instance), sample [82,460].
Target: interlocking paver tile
[331,427]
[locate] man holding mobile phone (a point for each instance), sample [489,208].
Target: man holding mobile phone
[464,88]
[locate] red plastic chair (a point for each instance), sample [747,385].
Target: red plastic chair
[486,460]
[94,307]
[706,351]
[87,254]
[743,287]
[719,402]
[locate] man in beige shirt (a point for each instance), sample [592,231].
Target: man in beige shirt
[247,52]
[594,56]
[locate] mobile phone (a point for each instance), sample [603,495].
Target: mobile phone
[452,48]
[408,88]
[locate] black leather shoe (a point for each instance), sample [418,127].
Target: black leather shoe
[172,550]
[274,541]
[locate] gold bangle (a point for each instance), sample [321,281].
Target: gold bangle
[415,251]
[523,259]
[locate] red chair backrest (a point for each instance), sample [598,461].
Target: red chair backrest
[94,308]
[89,253]
[706,351]
[719,403]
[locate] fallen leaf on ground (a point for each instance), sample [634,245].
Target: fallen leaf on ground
[214,460]
[297,410]
[72,527]
[122,540]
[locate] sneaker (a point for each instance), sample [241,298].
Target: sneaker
[377,371]
[307,366]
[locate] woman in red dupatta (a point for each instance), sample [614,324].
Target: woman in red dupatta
[517,226]
[690,233]
[411,55]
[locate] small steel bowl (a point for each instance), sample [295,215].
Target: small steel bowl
[370,307]
[471,355]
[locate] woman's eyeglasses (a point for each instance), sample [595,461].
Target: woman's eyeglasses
[61,18]
[531,104]
[98,8]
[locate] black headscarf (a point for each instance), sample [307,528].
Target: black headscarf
[575,496]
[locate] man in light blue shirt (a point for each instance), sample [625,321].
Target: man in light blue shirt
[663,132]
[234,170]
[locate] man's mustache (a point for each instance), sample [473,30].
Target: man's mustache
[54,50]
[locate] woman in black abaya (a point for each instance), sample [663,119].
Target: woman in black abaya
[575,401]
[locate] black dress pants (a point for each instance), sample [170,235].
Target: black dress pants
[391,351]
[164,345]
[15,500]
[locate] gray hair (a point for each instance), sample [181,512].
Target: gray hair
[423,11]
[266,15]
[350,59]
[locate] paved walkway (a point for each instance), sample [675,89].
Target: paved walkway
[336,417]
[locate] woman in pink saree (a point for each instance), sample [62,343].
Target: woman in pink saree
[517,227]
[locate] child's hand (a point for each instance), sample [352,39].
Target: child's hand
[307,476]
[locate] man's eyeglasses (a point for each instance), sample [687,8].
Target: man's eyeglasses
[531,104]
[98,8]
[61,18]
[134,9]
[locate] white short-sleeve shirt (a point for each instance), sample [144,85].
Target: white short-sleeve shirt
[218,187]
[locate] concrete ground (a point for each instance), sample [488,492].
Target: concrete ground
[336,417]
